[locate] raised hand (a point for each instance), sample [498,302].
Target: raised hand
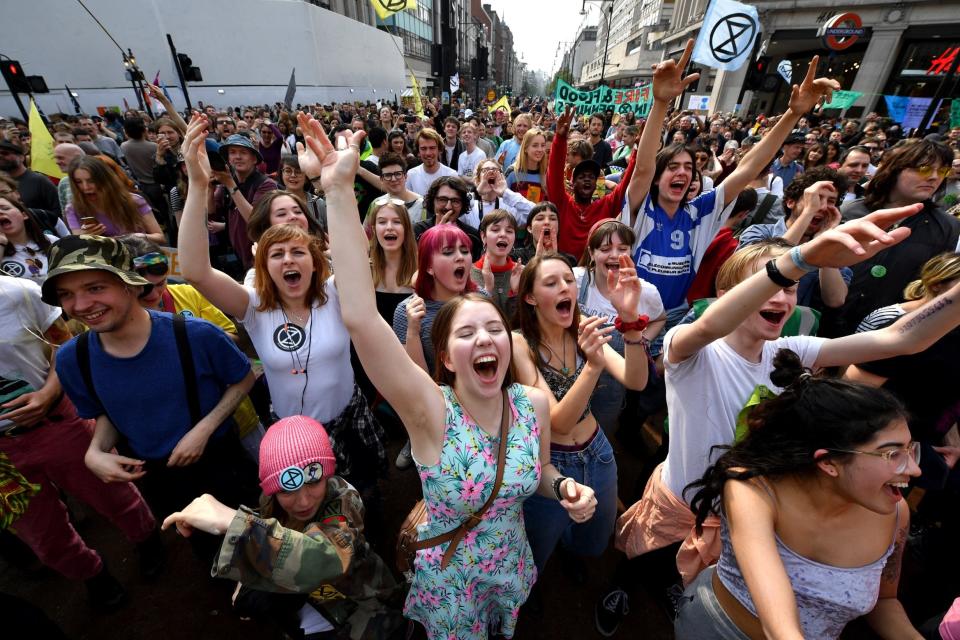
[416,310]
[592,336]
[623,289]
[487,272]
[812,91]
[515,276]
[335,167]
[858,239]
[565,118]
[194,151]
[668,80]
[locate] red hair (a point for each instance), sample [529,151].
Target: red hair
[432,242]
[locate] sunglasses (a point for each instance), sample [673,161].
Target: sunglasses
[926,170]
[153,270]
[385,200]
[154,264]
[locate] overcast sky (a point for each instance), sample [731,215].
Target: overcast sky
[539,25]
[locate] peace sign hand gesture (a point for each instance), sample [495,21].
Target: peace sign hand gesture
[668,80]
[812,91]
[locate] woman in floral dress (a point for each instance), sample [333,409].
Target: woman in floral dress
[454,427]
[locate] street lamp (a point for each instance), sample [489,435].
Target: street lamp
[606,40]
[136,79]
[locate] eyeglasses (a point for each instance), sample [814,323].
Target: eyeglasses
[291,172]
[491,170]
[444,201]
[899,457]
[926,170]
[393,175]
[385,199]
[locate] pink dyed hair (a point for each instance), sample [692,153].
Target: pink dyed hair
[432,242]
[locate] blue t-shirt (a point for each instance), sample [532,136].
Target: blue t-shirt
[145,396]
[668,251]
[511,147]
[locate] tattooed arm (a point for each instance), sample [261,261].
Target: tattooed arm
[888,619]
[913,333]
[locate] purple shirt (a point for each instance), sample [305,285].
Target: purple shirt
[73,219]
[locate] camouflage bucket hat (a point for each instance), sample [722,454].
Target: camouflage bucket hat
[83,253]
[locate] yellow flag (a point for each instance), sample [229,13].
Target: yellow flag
[386,8]
[41,146]
[417,99]
[502,103]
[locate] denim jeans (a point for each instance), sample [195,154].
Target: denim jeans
[700,616]
[547,522]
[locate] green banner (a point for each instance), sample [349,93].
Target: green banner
[603,98]
[843,99]
[955,113]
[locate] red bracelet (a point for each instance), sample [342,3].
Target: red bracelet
[637,325]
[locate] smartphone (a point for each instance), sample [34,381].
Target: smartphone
[409,118]
[89,221]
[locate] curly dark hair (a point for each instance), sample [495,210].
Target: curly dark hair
[783,433]
[794,190]
[454,182]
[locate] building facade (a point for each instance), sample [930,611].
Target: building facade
[905,50]
[336,58]
[630,45]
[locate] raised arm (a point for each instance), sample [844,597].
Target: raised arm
[219,288]
[632,370]
[845,245]
[668,83]
[172,113]
[558,156]
[803,98]
[407,387]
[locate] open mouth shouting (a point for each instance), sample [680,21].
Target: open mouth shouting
[679,186]
[895,490]
[565,310]
[292,277]
[775,318]
[460,273]
[486,368]
[390,236]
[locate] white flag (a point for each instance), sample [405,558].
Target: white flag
[727,36]
[455,83]
[785,69]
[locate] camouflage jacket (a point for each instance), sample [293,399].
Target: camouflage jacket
[330,560]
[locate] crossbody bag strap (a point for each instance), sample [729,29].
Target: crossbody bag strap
[455,536]
[186,363]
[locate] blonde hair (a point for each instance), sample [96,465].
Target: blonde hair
[408,250]
[743,263]
[520,164]
[935,273]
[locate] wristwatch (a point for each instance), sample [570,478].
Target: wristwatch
[556,486]
[235,189]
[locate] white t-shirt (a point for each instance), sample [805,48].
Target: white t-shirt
[419,181]
[322,348]
[705,394]
[595,304]
[468,161]
[24,357]
[27,261]
[511,202]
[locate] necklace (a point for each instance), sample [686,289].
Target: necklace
[564,369]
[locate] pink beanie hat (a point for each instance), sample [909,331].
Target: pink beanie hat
[295,450]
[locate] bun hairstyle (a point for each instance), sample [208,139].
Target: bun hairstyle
[811,413]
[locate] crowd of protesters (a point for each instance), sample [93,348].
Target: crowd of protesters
[773,302]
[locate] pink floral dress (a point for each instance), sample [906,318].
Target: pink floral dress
[491,573]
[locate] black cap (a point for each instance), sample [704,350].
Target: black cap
[588,165]
[795,138]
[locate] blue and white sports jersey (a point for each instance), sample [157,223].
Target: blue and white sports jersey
[668,250]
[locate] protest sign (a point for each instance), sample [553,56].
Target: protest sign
[843,99]
[603,98]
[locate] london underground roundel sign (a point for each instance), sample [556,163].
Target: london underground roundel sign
[842,30]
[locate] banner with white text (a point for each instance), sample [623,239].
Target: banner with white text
[636,100]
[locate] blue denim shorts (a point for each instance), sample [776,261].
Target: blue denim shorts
[547,522]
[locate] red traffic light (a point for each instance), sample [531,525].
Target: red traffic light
[14,70]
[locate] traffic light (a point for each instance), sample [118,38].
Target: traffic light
[38,84]
[190,72]
[16,79]
[757,73]
[482,57]
[436,60]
